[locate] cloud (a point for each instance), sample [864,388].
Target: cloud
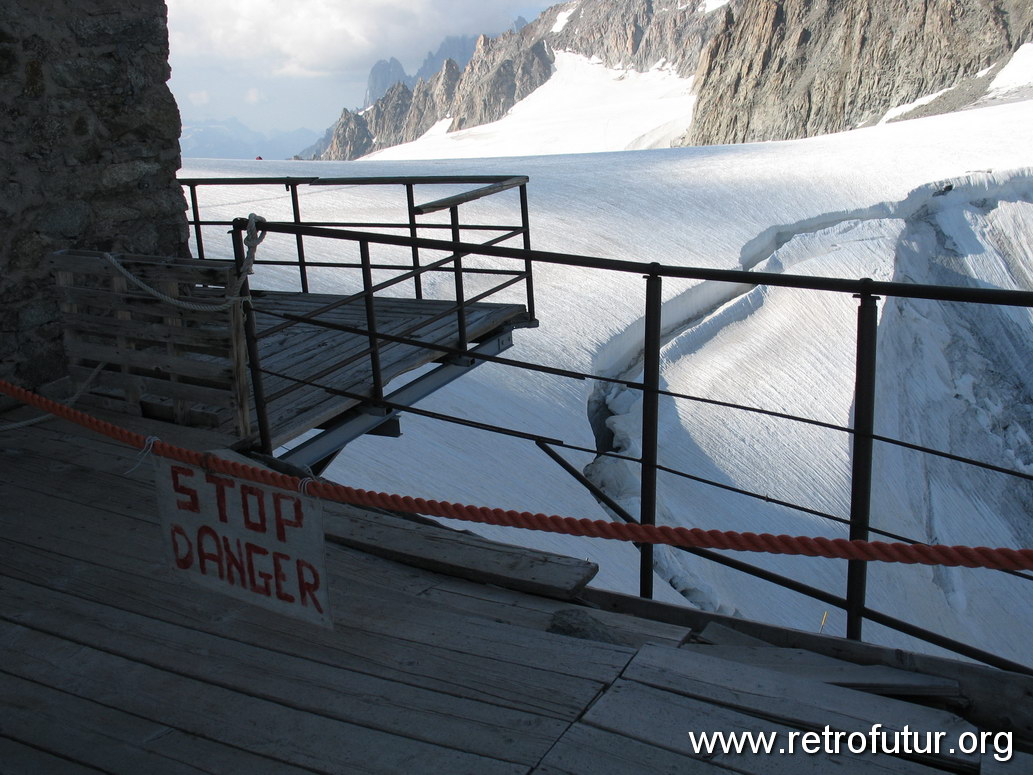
[320,37]
[253,96]
[199,97]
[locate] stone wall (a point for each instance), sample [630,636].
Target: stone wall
[89,150]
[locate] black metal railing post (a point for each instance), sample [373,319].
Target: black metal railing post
[197,220]
[650,421]
[861,467]
[296,208]
[460,290]
[371,322]
[251,343]
[410,199]
[525,224]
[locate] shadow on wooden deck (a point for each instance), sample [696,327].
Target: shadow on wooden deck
[450,654]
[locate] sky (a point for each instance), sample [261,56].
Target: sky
[279,71]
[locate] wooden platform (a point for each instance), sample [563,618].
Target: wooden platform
[310,352]
[151,356]
[108,663]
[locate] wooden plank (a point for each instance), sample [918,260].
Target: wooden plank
[458,554]
[293,681]
[109,739]
[573,675]
[541,613]
[664,719]
[535,689]
[216,336]
[587,750]
[155,359]
[875,679]
[788,699]
[16,758]
[201,394]
[208,271]
[725,636]
[1017,763]
[279,732]
[136,303]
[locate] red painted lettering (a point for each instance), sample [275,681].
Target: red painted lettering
[247,490]
[279,576]
[307,589]
[184,559]
[251,550]
[221,485]
[234,562]
[281,523]
[191,503]
[204,557]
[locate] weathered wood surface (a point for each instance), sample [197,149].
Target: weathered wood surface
[589,750]
[97,735]
[292,681]
[238,719]
[718,634]
[458,554]
[127,669]
[18,758]
[543,614]
[804,703]
[1018,764]
[875,679]
[665,719]
[310,352]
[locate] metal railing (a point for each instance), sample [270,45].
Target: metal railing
[451,263]
[867,291]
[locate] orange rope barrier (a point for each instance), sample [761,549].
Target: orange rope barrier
[833,548]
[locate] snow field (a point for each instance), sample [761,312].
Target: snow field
[840,205]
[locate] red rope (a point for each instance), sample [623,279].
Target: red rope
[834,548]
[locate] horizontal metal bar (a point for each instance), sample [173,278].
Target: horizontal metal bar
[415,179]
[364,225]
[355,423]
[284,181]
[734,276]
[470,196]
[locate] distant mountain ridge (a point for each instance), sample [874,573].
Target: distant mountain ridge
[387,72]
[764,69]
[231,139]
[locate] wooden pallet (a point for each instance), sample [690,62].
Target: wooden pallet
[154,358]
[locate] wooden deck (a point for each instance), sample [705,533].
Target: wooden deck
[310,352]
[450,654]
[152,357]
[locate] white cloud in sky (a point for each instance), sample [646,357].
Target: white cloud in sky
[319,37]
[281,65]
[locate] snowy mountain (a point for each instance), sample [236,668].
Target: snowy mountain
[945,199]
[757,70]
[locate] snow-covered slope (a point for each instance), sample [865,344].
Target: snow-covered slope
[856,204]
[584,107]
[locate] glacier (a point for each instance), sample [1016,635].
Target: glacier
[874,203]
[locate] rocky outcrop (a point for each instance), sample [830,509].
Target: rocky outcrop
[764,69]
[502,72]
[382,76]
[387,72]
[430,100]
[637,34]
[349,138]
[780,69]
[89,132]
